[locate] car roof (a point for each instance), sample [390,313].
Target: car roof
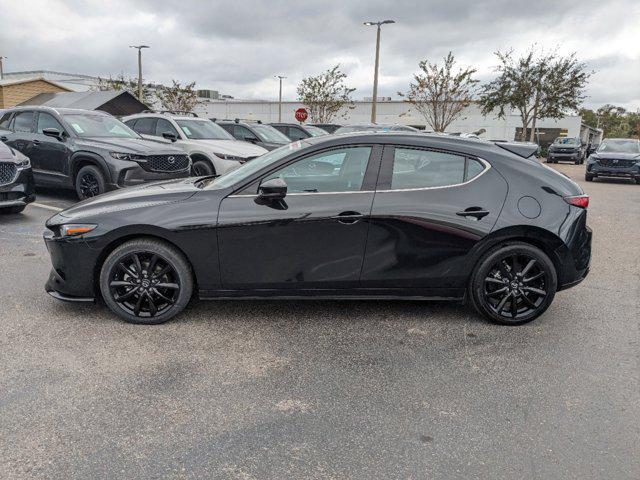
[165,115]
[58,110]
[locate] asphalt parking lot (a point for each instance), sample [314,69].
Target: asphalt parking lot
[321,389]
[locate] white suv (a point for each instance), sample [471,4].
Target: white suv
[213,151]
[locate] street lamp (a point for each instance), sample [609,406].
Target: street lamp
[375,72]
[280,77]
[139,47]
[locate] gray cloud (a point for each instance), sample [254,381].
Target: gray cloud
[237,47]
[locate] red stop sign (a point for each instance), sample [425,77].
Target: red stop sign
[301,114]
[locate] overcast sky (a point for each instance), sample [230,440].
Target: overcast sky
[237,47]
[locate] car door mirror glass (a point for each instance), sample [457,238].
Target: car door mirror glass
[273,189]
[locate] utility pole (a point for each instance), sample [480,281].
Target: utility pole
[280,77]
[374,100]
[139,47]
[1,67]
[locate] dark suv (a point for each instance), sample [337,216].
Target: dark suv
[297,132]
[257,133]
[16,181]
[89,151]
[567,148]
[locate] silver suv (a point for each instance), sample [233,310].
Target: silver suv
[213,151]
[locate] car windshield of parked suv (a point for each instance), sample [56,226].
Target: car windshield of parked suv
[87,125]
[203,130]
[620,146]
[231,177]
[269,134]
[566,141]
[315,131]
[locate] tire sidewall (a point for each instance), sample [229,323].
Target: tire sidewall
[204,165]
[99,176]
[168,254]
[476,285]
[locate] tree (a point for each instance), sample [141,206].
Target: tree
[128,84]
[325,95]
[178,97]
[544,86]
[439,93]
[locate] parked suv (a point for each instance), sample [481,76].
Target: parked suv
[16,181]
[615,157]
[89,151]
[264,136]
[567,148]
[295,131]
[212,149]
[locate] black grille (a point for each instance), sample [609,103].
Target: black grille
[566,150]
[614,162]
[7,172]
[167,163]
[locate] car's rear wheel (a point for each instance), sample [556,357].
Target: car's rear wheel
[89,182]
[202,168]
[13,210]
[513,284]
[146,281]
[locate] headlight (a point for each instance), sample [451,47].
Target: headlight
[24,163]
[121,156]
[75,229]
[229,157]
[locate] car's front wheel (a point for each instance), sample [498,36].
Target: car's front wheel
[13,210]
[90,182]
[146,281]
[202,168]
[513,284]
[588,177]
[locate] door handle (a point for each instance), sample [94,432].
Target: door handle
[475,212]
[20,145]
[36,142]
[3,138]
[348,218]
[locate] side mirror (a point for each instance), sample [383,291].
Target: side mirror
[53,132]
[170,136]
[274,189]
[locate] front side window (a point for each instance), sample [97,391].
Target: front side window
[340,170]
[164,126]
[48,121]
[245,134]
[269,134]
[297,134]
[88,125]
[203,130]
[428,169]
[23,122]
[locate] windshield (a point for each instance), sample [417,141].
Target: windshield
[87,125]
[231,177]
[203,130]
[566,141]
[269,134]
[315,131]
[620,146]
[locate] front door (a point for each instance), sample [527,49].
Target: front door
[312,239]
[49,155]
[430,209]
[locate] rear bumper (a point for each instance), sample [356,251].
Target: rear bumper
[575,256]
[19,192]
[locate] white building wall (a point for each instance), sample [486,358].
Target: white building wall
[388,112]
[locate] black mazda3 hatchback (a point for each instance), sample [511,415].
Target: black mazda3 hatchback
[365,215]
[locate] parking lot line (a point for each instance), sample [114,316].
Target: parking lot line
[47,207]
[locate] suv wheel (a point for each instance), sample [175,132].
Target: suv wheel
[513,284]
[146,281]
[89,182]
[202,168]
[18,209]
[588,177]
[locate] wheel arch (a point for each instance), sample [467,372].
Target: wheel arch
[200,156]
[124,235]
[82,159]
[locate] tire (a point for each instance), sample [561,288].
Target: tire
[202,168]
[124,276]
[493,297]
[89,182]
[578,162]
[588,177]
[638,181]
[13,210]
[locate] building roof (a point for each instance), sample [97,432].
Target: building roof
[116,102]
[9,81]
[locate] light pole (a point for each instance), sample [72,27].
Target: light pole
[374,100]
[139,47]
[1,67]
[280,77]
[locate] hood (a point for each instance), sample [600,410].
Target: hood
[617,155]
[6,153]
[231,147]
[141,146]
[148,194]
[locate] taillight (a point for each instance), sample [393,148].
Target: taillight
[581,201]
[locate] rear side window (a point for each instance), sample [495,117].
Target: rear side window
[23,122]
[428,169]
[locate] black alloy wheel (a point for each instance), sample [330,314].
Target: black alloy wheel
[146,281]
[89,182]
[514,284]
[201,168]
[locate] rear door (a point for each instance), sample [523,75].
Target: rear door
[312,239]
[22,132]
[431,207]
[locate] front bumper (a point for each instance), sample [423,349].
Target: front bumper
[72,276]
[598,170]
[564,156]
[130,176]
[20,191]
